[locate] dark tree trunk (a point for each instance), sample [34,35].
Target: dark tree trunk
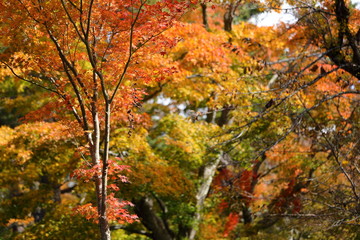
[246,213]
[224,117]
[204,15]
[229,17]
[57,194]
[210,117]
[157,226]
[335,49]
[38,214]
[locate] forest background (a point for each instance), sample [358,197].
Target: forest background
[220,129]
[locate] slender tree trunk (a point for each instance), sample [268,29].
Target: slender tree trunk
[104,224]
[94,142]
[204,16]
[207,176]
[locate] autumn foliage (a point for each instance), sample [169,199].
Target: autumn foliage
[178,120]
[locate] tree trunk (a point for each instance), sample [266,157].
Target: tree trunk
[228,18]
[104,224]
[247,216]
[104,228]
[224,117]
[144,209]
[204,16]
[57,193]
[207,176]
[94,145]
